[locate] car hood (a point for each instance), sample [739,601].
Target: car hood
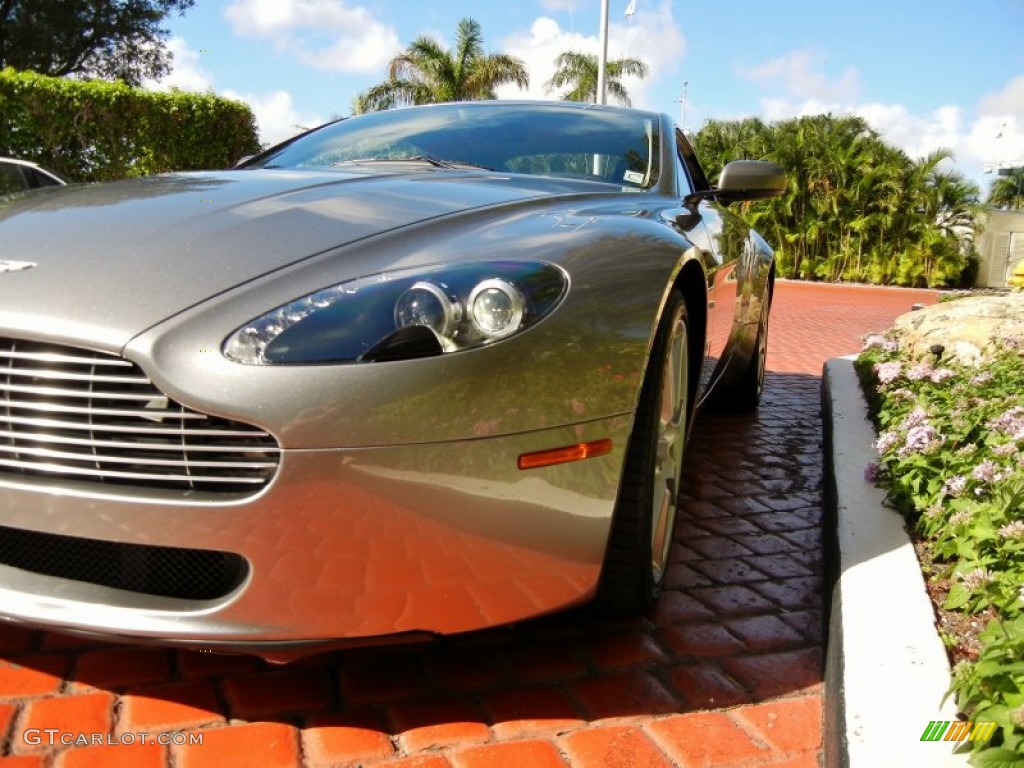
[111,260]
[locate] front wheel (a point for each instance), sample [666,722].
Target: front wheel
[746,395]
[644,519]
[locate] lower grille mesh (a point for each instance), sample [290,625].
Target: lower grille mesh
[84,415]
[186,574]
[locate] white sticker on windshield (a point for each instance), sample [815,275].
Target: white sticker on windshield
[633,177]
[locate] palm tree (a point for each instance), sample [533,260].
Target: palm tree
[579,72]
[1008,190]
[427,73]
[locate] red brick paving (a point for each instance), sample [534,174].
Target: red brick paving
[725,672]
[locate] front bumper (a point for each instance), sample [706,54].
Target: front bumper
[344,544]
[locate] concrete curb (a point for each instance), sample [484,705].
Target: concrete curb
[886,669]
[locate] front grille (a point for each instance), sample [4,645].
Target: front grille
[186,574]
[84,415]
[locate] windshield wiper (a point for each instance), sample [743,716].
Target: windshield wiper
[437,162]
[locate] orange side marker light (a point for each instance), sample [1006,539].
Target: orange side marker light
[564,455]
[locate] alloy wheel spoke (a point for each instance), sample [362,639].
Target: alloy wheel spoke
[670,443]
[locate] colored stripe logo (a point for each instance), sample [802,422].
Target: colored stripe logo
[958,730]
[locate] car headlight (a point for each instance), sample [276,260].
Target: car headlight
[403,315]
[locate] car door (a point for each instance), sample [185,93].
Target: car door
[722,252]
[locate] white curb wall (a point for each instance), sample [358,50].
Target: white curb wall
[886,669]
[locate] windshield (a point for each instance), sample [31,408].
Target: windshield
[601,144]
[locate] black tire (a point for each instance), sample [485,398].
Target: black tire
[644,520]
[745,395]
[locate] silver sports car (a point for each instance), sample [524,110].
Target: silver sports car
[414,372]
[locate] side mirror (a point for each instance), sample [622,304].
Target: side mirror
[751,180]
[744,180]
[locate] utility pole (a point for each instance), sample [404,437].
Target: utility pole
[602,59]
[682,100]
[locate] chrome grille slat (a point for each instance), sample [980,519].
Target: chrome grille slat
[142,430]
[91,416]
[138,413]
[155,477]
[87,377]
[64,392]
[147,445]
[50,357]
[49,453]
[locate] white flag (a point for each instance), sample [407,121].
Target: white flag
[630,9]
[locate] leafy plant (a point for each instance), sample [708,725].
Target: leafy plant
[98,131]
[950,441]
[856,208]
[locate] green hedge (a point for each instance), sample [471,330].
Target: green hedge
[97,130]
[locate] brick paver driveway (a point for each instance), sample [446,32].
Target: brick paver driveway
[726,672]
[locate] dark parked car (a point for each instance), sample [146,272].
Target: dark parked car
[419,371]
[19,175]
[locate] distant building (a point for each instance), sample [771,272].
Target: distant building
[1000,247]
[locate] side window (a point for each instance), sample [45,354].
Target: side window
[683,183]
[10,179]
[686,156]
[46,180]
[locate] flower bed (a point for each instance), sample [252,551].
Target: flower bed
[951,458]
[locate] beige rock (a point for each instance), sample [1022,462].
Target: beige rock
[967,329]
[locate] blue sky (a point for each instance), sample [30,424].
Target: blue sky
[925,73]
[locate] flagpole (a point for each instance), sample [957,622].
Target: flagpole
[602,62]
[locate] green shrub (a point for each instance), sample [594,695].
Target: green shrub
[951,447]
[97,130]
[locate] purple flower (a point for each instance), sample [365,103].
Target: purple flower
[1010,423]
[873,341]
[961,517]
[976,579]
[986,472]
[891,346]
[886,373]
[1014,530]
[981,378]
[871,472]
[954,486]
[922,439]
[916,418]
[919,372]
[887,441]
[939,375]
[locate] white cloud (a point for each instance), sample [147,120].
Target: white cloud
[798,73]
[187,72]
[998,134]
[276,115]
[916,135]
[992,136]
[538,48]
[1009,102]
[329,35]
[651,36]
